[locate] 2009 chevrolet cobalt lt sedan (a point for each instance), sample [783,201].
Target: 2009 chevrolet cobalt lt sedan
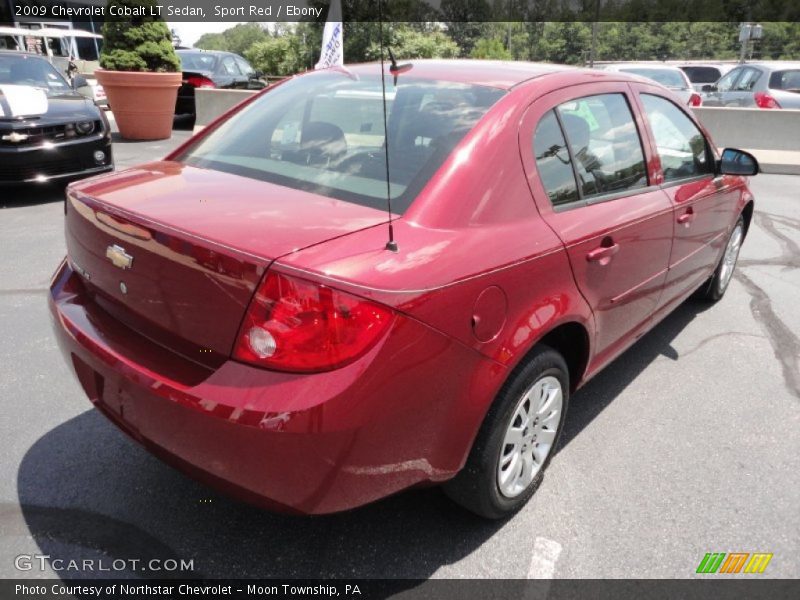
[236,308]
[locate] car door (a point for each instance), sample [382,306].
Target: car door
[718,95]
[249,73]
[701,201]
[742,92]
[230,73]
[588,172]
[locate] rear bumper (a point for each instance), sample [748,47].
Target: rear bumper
[404,414]
[68,160]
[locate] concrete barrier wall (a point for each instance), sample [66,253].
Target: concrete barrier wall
[211,103]
[772,135]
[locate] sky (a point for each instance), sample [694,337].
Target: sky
[190,32]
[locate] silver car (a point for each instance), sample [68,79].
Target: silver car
[701,74]
[762,85]
[667,75]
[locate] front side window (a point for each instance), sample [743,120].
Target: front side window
[324,133]
[726,82]
[245,67]
[747,80]
[681,146]
[604,144]
[553,162]
[229,67]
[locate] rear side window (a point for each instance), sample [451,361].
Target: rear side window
[747,81]
[553,162]
[701,74]
[604,144]
[788,80]
[681,145]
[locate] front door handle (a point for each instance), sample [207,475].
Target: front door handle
[686,217]
[604,252]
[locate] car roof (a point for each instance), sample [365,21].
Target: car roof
[772,65]
[640,65]
[491,73]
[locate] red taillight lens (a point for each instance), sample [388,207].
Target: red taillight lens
[200,82]
[764,100]
[297,325]
[695,100]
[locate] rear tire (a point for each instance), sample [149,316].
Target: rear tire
[517,439]
[714,289]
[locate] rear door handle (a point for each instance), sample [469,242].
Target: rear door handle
[686,217]
[604,252]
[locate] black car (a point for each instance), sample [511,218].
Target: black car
[213,69]
[48,131]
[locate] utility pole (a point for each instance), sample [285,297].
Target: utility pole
[747,32]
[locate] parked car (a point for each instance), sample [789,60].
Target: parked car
[701,74]
[48,130]
[213,69]
[667,75]
[763,85]
[236,308]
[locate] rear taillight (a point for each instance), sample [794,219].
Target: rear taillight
[764,100]
[695,100]
[200,82]
[296,325]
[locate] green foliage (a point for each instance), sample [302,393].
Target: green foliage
[288,49]
[407,43]
[490,48]
[277,55]
[141,43]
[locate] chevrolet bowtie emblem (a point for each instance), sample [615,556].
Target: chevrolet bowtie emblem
[15,137]
[118,257]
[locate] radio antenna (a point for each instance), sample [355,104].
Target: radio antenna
[391,244]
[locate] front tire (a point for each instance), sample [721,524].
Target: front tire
[714,289]
[517,439]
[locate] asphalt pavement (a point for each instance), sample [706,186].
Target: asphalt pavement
[687,444]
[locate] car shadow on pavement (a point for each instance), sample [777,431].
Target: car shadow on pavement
[87,491]
[28,194]
[601,390]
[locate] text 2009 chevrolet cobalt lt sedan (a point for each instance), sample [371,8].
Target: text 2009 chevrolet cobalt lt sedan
[236,309]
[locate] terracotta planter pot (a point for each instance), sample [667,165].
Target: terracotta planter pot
[143,103]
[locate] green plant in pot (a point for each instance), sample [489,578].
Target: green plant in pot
[140,71]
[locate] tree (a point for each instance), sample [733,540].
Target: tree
[490,48]
[277,55]
[408,43]
[238,39]
[137,43]
[212,41]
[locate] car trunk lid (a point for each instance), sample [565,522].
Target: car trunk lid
[176,252]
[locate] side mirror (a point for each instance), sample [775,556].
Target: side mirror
[737,162]
[79,81]
[256,75]
[709,87]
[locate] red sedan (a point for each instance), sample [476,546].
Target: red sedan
[236,308]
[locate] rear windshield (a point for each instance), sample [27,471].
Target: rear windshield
[702,74]
[666,77]
[197,61]
[788,80]
[324,133]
